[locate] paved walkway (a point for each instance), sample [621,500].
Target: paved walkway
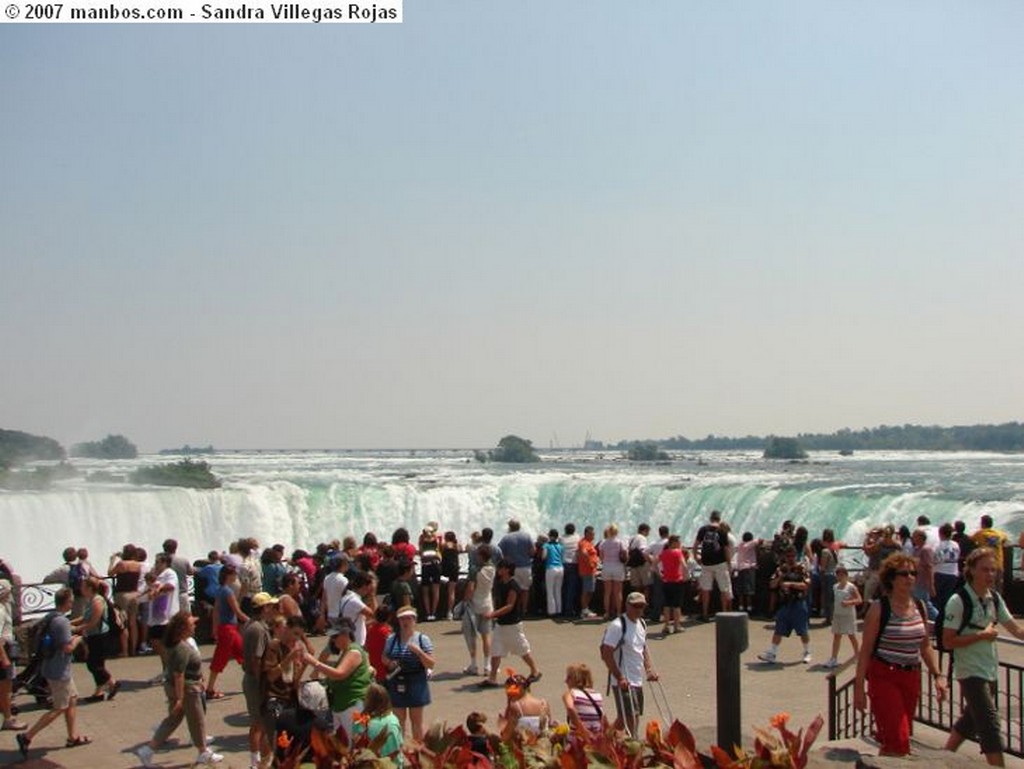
[686,663]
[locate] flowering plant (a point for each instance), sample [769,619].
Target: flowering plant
[783,751]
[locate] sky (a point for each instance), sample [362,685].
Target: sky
[549,219]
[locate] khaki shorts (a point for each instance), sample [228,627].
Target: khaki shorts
[509,639]
[63,692]
[718,573]
[524,577]
[253,697]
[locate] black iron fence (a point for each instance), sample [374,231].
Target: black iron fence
[845,721]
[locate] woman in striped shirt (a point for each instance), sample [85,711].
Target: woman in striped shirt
[896,643]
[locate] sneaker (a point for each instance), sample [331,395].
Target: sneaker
[806,659]
[832,663]
[431,618]
[588,614]
[208,757]
[145,649]
[471,670]
[767,656]
[145,755]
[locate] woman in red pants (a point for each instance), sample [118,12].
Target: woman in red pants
[896,644]
[227,615]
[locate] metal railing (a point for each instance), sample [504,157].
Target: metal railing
[845,722]
[37,598]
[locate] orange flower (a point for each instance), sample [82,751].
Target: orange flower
[361,718]
[284,741]
[653,733]
[779,720]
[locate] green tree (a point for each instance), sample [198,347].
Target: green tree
[647,451]
[512,448]
[111,447]
[784,448]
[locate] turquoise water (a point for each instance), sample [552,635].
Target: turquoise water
[301,498]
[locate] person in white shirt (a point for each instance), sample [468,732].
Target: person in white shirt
[334,587]
[359,604]
[625,654]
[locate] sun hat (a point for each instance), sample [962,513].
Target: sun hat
[263,599]
[406,611]
[636,599]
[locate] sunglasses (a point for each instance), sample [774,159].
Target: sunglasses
[905,573]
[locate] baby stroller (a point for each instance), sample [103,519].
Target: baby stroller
[30,678]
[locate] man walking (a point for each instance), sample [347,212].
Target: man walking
[509,637]
[255,642]
[975,662]
[58,646]
[625,654]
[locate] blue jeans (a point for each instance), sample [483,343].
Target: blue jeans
[571,591]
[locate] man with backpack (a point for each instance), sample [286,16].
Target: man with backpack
[714,555]
[56,645]
[625,654]
[969,630]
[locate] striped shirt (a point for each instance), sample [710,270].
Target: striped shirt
[588,708]
[899,642]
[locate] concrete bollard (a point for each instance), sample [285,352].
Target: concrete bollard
[730,642]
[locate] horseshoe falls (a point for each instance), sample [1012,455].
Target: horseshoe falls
[300,498]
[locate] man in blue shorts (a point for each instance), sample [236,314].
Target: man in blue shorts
[791,581]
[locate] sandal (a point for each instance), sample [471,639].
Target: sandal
[113,690]
[214,695]
[77,741]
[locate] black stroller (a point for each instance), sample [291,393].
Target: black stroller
[30,678]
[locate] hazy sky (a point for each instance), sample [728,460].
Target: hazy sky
[547,218]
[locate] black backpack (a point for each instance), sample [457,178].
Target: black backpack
[618,647]
[45,647]
[965,620]
[636,556]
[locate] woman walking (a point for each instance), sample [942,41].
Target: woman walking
[227,616]
[183,684]
[894,647]
[94,627]
[408,655]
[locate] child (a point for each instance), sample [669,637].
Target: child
[844,614]
[479,737]
[376,636]
[377,718]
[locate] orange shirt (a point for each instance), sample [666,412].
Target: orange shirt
[587,558]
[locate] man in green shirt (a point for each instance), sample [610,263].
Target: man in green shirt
[975,663]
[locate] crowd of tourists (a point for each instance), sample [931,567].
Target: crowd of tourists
[259,606]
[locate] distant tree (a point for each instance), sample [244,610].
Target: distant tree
[193,475]
[17,448]
[111,447]
[646,452]
[784,448]
[512,448]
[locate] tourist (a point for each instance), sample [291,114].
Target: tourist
[288,603]
[377,635]
[95,626]
[430,570]
[584,706]
[409,656]
[625,654]
[614,555]
[672,565]
[571,584]
[845,600]
[334,586]
[522,709]
[745,583]
[587,561]
[7,720]
[791,582]
[894,646]
[994,539]
[255,641]
[509,637]
[127,569]
[879,544]
[358,604]
[207,581]
[402,546]
[478,739]
[924,586]
[517,546]
[283,666]
[227,618]
[450,550]
[656,598]
[828,561]
[346,666]
[971,634]
[478,605]
[401,588]
[183,685]
[56,669]
[163,600]
[183,570]
[714,555]
[379,718]
[554,572]
[640,563]
[963,540]
[272,569]
[947,566]
[250,572]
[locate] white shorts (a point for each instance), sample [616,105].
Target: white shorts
[509,639]
[719,573]
[524,577]
[62,693]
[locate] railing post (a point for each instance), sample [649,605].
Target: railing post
[730,641]
[832,725]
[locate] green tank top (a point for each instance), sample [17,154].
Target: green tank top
[347,692]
